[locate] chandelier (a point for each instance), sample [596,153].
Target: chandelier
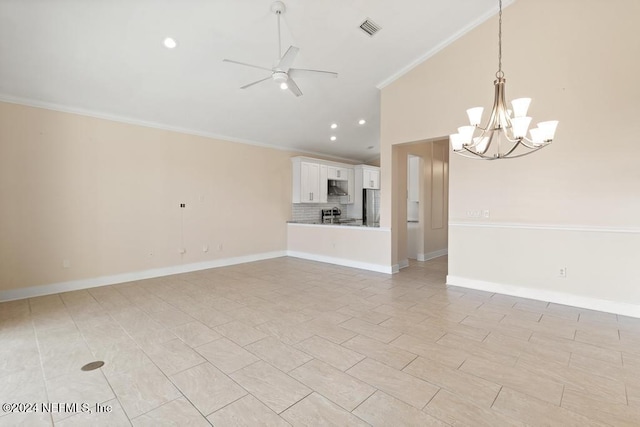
[506,129]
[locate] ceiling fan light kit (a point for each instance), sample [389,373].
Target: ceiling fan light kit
[506,129]
[282,73]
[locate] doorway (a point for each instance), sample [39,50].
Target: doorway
[423,215]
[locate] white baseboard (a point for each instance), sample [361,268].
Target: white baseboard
[379,268]
[75,285]
[622,308]
[432,255]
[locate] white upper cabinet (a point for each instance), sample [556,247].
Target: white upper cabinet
[311,177]
[371,178]
[338,173]
[351,188]
[306,182]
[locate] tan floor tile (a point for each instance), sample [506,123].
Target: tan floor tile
[504,329]
[455,410]
[389,355]
[475,389]
[174,356]
[617,414]
[195,334]
[211,317]
[559,330]
[519,379]
[329,330]
[287,333]
[226,355]
[405,387]
[586,360]
[208,388]
[315,410]
[368,316]
[384,410]
[536,412]
[332,383]
[114,417]
[507,345]
[333,354]
[596,386]
[26,419]
[447,356]
[239,333]
[274,388]
[90,387]
[280,355]
[178,412]
[370,330]
[142,390]
[246,412]
[477,349]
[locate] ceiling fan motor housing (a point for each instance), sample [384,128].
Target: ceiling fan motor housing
[280,77]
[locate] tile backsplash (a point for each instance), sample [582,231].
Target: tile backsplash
[311,211]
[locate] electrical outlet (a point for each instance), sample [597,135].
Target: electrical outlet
[562,272]
[486,213]
[205,248]
[66,263]
[182,250]
[220,246]
[183,205]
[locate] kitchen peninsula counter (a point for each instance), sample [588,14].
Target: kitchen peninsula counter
[344,244]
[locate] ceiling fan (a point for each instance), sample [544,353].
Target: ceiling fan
[282,73]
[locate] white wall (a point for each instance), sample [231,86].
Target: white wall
[575,203]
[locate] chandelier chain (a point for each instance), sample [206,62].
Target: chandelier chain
[500,74]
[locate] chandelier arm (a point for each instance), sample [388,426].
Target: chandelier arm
[478,156]
[532,147]
[527,153]
[517,143]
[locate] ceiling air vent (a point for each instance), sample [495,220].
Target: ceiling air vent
[370,27]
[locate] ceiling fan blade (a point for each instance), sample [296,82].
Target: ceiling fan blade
[247,65]
[256,82]
[287,59]
[299,72]
[293,87]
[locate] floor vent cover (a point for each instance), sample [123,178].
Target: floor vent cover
[370,27]
[93,365]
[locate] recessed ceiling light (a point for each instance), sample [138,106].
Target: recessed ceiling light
[170,43]
[333,138]
[334,125]
[284,86]
[362,121]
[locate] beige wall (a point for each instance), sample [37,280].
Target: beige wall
[104,196]
[578,60]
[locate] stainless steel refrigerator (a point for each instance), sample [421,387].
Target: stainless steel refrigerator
[371,207]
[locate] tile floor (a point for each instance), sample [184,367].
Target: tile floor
[292,342]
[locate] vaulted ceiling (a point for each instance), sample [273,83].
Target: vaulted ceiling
[106,58]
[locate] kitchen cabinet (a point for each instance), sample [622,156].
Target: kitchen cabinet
[306,182]
[351,188]
[371,178]
[338,173]
[324,184]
